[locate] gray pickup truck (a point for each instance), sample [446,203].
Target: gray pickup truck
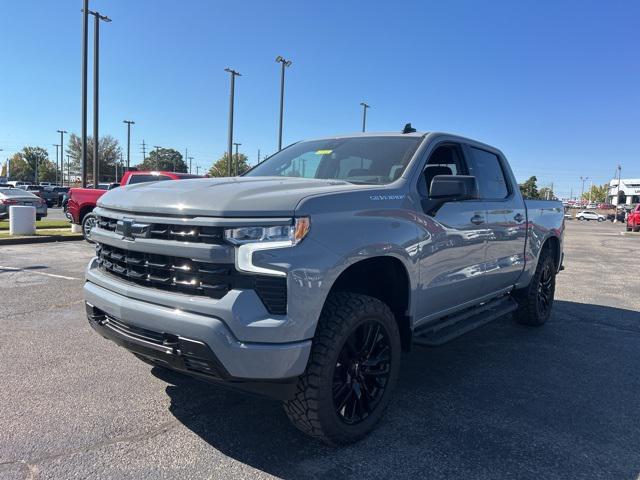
[305,278]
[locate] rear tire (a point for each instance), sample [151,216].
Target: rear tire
[38,218]
[352,370]
[88,222]
[628,228]
[535,302]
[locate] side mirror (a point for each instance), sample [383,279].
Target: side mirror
[453,188]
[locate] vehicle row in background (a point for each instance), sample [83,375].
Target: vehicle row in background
[10,197]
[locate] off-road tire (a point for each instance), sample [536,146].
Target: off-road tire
[86,220]
[311,408]
[529,311]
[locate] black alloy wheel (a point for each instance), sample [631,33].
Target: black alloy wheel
[362,372]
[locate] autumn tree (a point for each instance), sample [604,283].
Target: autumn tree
[164,159]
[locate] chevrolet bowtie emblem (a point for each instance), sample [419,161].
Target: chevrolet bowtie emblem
[131,230]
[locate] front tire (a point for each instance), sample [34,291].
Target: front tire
[352,370]
[88,222]
[535,302]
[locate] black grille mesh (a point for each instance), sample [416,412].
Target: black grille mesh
[183,275]
[164,231]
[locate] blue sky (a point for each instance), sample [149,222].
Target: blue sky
[555,85]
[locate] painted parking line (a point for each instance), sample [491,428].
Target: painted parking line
[14,269]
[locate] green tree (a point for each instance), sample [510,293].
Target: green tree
[221,166]
[597,194]
[109,152]
[164,159]
[23,165]
[529,189]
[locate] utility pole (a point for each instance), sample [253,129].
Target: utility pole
[190,158]
[68,171]
[197,169]
[61,132]
[233,75]
[96,92]
[157,155]
[56,145]
[364,115]
[258,155]
[284,63]
[85,47]
[144,150]
[186,156]
[615,213]
[236,162]
[129,123]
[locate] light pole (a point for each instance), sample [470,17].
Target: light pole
[364,115]
[129,123]
[68,171]
[233,75]
[590,189]
[85,41]
[57,146]
[284,63]
[583,179]
[615,214]
[96,84]
[157,155]
[236,162]
[61,132]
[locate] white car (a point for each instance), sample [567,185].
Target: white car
[589,215]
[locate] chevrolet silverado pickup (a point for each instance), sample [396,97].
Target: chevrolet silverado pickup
[306,277]
[82,201]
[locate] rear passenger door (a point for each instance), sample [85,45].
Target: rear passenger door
[505,217]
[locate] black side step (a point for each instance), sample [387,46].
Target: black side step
[447,328]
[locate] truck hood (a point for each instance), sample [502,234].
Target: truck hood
[220,197]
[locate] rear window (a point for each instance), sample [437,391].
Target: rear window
[15,192]
[146,178]
[489,174]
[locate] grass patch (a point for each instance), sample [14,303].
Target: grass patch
[4,225]
[43,233]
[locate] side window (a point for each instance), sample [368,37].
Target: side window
[444,160]
[489,175]
[146,178]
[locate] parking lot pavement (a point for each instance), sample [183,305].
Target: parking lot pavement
[55,213]
[559,401]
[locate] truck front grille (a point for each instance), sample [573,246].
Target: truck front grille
[183,275]
[164,231]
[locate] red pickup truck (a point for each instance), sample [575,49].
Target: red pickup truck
[633,220]
[82,201]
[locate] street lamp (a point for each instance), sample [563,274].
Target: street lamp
[615,213]
[364,115]
[129,123]
[61,132]
[56,145]
[583,179]
[236,169]
[85,41]
[233,75]
[284,64]
[96,83]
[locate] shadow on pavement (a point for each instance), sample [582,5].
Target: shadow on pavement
[562,401]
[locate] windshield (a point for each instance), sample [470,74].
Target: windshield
[368,160]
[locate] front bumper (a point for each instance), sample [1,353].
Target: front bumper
[194,343]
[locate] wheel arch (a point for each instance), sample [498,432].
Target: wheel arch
[385,278]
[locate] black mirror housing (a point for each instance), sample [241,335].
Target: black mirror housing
[453,187]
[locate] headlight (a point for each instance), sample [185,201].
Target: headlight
[253,239]
[279,233]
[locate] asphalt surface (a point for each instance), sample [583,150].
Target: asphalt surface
[505,401]
[55,213]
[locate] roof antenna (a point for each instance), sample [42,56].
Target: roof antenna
[408,128]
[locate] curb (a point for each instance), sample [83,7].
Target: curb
[47,239]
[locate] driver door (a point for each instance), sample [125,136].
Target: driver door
[453,239]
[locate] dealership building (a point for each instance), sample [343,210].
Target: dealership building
[628,192]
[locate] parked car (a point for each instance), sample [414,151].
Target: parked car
[633,220]
[17,183]
[307,276]
[606,206]
[590,215]
[53,195]
[17,196]
[82,201]
[6,185]
[620,215]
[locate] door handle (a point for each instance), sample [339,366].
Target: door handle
[519,217]
[477,219]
